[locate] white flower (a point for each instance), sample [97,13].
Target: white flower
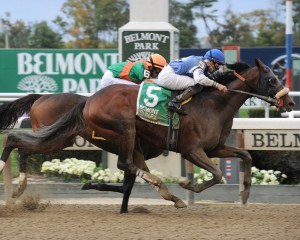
[273,177]
[121,178]
[199,180]
[114,179]
[277,172]
[106,179]
[283,175]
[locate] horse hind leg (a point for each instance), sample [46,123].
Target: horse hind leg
[10,143]
[22,175]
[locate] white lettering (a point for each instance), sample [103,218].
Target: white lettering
[135,37]
[95,84]
[38,63]
[83,63]
[81,86]
[59,63]
[24,63]
[69,85]
[65,65]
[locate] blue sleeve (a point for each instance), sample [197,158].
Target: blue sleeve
[184,66]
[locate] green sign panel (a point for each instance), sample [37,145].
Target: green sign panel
[45,70]
[138,45]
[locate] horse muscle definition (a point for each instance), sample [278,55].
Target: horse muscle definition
[44,110]
[203,132]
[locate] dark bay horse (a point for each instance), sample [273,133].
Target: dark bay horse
[202,133]
[44,110]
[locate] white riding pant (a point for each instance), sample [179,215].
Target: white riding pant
[109,79]
[167,78]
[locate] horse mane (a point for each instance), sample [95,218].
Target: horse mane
[228,76]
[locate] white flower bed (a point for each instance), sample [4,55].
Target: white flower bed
[72,168]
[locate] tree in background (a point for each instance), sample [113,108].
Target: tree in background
[181,17]
[44,37]
[38,35]
[95,24]
[18,34]
[233,31]
[92,23]
[202,10]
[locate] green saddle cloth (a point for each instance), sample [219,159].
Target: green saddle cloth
[152,104]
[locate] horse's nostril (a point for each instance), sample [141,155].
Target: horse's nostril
[291,105]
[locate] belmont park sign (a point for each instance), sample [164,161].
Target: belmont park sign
[45,70]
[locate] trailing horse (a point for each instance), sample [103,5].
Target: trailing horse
[202,134]
[44,110]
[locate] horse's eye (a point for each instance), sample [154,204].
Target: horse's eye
[272,82]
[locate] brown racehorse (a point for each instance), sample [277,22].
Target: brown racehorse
[202,134]
[44,110]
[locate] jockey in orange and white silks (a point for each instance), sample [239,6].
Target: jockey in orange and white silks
[133,72]
[191,73]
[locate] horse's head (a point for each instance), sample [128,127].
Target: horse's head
[270,86]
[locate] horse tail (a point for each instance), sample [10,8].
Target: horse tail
[67,127]
[11,111]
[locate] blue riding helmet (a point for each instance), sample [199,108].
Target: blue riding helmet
[215,55]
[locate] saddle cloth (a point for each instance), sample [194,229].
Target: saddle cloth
[152,104]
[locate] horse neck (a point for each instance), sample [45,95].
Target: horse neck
[236,100]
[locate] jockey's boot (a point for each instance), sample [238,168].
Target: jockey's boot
[175,104]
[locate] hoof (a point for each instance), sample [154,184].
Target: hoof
[17,193]
[244,197]
[87,186]
[180,204]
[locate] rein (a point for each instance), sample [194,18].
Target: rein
[267,99]
[270,100]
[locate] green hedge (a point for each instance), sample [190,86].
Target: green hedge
[260,113]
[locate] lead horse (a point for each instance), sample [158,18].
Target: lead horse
[202,134]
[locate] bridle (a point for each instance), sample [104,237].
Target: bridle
[273,101]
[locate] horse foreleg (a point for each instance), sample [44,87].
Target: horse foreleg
[245,168]
[160,187]
[200,159]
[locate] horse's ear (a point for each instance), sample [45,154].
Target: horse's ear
[260,65]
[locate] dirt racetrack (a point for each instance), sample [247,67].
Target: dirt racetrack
[224,221]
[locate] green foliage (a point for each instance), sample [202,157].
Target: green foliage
[92,23]
[95,24]
[44,37]
[260,113]
[181,17]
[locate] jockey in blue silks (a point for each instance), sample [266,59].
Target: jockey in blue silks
[191,74]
